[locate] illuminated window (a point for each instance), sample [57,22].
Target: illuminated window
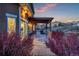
[23,28]
[30,25]
[11,24]
[25,12]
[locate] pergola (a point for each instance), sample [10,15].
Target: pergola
[46,20]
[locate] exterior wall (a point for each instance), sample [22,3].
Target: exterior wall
[10,9]
[25,15]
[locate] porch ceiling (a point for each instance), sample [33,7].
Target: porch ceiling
[40,19]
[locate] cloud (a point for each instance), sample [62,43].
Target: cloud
[46,7]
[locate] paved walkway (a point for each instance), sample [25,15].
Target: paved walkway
[40,49]
[41,37]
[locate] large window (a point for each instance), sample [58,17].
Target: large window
[11,24]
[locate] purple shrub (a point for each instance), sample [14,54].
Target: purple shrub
[72,43]
[64,44]
[1,44]
[13,45]
[58,36]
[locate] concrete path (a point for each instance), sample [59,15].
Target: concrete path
[40,49]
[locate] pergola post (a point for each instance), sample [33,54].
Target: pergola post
[50,26]
[32,27]
[27,28]
[46,28]
[35,27]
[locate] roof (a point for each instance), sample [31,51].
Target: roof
[31,7]
[40,19]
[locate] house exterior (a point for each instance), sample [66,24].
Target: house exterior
[13,17]
[25,11]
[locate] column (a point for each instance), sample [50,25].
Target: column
[50,26]
[46,28]
[35,27]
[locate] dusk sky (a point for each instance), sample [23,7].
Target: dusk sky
[65,12]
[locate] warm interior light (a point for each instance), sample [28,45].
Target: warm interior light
[22,28]
[29,14]
[11,24]
[25,12]
[30,24]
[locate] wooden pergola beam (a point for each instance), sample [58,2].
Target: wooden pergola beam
[40,19]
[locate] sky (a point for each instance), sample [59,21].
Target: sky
[61,11]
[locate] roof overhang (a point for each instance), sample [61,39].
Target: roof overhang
[40,19]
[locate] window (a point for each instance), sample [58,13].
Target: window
[22,28]
[11,24]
